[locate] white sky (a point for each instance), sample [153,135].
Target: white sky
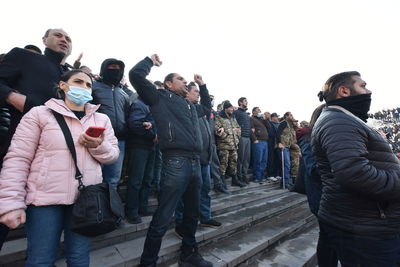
[276,53]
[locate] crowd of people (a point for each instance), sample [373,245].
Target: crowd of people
[389,125]
[168,134]
[172,141]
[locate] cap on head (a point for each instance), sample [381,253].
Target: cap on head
[274,115]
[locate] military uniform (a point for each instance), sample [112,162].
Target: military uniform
[228,142]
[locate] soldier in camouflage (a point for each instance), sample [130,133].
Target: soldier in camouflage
[228,134]
[286,137]
[295,154]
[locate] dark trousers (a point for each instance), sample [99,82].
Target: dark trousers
[244,154]
[3,234]
[140,176]
[214,167]
[335,244]
[180,178]
[157,169]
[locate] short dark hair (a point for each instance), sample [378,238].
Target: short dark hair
[33,47]
[254,109]
[241,100]
[332,85]
[65,77]
[287,113]
[168,78]
[191,85]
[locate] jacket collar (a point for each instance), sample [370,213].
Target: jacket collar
[54,56]
[59,106]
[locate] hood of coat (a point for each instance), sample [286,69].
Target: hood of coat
[59,106]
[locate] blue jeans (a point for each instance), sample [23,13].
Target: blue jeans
[112,172]
[180,179]
[351,250]
[260,158]
[140,176]
[44,226]
[157,169]
[286,158]
[205,199]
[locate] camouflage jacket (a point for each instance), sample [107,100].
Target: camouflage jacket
[229,140]
[286,134]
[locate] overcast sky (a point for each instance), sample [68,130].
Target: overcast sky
[276,53]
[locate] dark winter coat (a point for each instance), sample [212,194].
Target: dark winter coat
[243,120]
[360,176]
[176,118]
[137,135]
[260,131]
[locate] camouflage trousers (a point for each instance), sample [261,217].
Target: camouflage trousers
[294,163]
[228,158]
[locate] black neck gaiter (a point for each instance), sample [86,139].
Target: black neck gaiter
[358,105]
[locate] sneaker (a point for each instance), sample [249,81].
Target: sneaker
[211,223]
[272,179]
[261,182]
[193,259]
[134,219]
[221,189]
[179,232]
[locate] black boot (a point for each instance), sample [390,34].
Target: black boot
[192,258]
[221,189]
[236,182]
[244,180]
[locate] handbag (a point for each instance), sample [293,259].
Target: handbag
[98,209]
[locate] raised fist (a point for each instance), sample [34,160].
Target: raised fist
[198,79]
[156,60]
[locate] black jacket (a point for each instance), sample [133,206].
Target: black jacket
[204,112]
[138,136]
[176,118]
[114,103]
[244,122]
[360,176]
[31,74]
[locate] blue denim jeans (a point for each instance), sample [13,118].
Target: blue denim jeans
[157,169]
[351,250]
[260,158]
[44,226]
[112,172]
[180,179]
[140,176]
[286,158]
[205,199]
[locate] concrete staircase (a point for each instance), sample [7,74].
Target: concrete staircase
[259,221]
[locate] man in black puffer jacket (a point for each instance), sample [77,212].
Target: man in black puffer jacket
[108,92]
[181,145]
[359,212]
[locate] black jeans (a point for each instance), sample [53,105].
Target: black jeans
[3,234]
[351,250]
[180,178]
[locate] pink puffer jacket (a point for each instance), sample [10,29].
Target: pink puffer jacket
[38,168]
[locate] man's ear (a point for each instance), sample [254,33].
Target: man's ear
[44,40]
[168,83]
[343,92]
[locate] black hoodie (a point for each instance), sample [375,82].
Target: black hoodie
[113,99]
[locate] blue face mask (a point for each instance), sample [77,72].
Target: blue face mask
[78,96]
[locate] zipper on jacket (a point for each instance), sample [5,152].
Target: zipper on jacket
[170,131]
[99,212]
[381,212]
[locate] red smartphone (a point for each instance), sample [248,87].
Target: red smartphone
[95,131]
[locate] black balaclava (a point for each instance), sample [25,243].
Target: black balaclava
[112,76]
[357,104]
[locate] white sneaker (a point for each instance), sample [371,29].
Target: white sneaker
[273,179]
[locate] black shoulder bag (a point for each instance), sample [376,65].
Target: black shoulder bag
[98,208]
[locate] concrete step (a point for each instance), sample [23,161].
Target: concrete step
[14,250]
[128,253]
[243,249]
[299,250]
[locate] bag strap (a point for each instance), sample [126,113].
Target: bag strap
[70,143]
